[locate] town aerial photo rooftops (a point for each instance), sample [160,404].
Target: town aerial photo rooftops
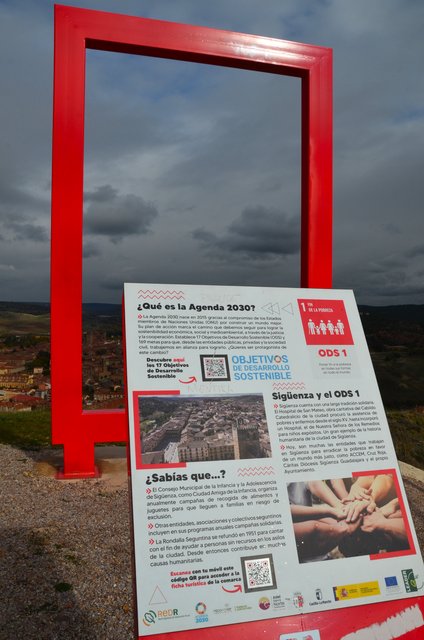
[197,428]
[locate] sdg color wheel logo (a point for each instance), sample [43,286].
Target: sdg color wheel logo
[202,616]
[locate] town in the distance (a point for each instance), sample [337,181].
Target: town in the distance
[25,357]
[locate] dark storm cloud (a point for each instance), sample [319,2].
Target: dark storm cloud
[12,197]
[18,204]
[18,226]
[116,216]
[105,193]
[27,231]
[26,59]
[113,126]
[112,285]
[394,293]
[242,141]
[416,251]
[387,264]
[90,250]
[258,233]
[392,228]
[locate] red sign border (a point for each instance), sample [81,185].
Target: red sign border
[393,554]
[137,435]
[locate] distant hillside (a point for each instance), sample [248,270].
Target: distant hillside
[20,323]
[395,337]
[106,317]
[20,318]
[33,308]
[396,325]
[101,309]
[413,313]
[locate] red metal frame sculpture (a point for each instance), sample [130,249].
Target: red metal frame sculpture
[79,29]
[78,430]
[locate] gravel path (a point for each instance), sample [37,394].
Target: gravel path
[65,566]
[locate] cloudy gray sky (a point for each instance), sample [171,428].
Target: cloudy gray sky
[192,172]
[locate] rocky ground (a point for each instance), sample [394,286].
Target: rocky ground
[65,565]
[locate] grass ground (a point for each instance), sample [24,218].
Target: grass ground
[407,429]
[26,430]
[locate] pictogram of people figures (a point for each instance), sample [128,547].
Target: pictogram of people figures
[323,327]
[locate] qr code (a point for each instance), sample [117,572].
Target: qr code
[258,573]
[215,368]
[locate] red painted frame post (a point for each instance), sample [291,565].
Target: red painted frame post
[79,29]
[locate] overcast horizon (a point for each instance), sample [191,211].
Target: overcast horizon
[192,172]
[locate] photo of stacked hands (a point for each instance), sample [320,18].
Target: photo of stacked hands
[346,517]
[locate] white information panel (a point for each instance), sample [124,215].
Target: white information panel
[264,478]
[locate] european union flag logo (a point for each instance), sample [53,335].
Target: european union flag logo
[391,581]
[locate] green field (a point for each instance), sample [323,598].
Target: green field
[14,323]
[26,429]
